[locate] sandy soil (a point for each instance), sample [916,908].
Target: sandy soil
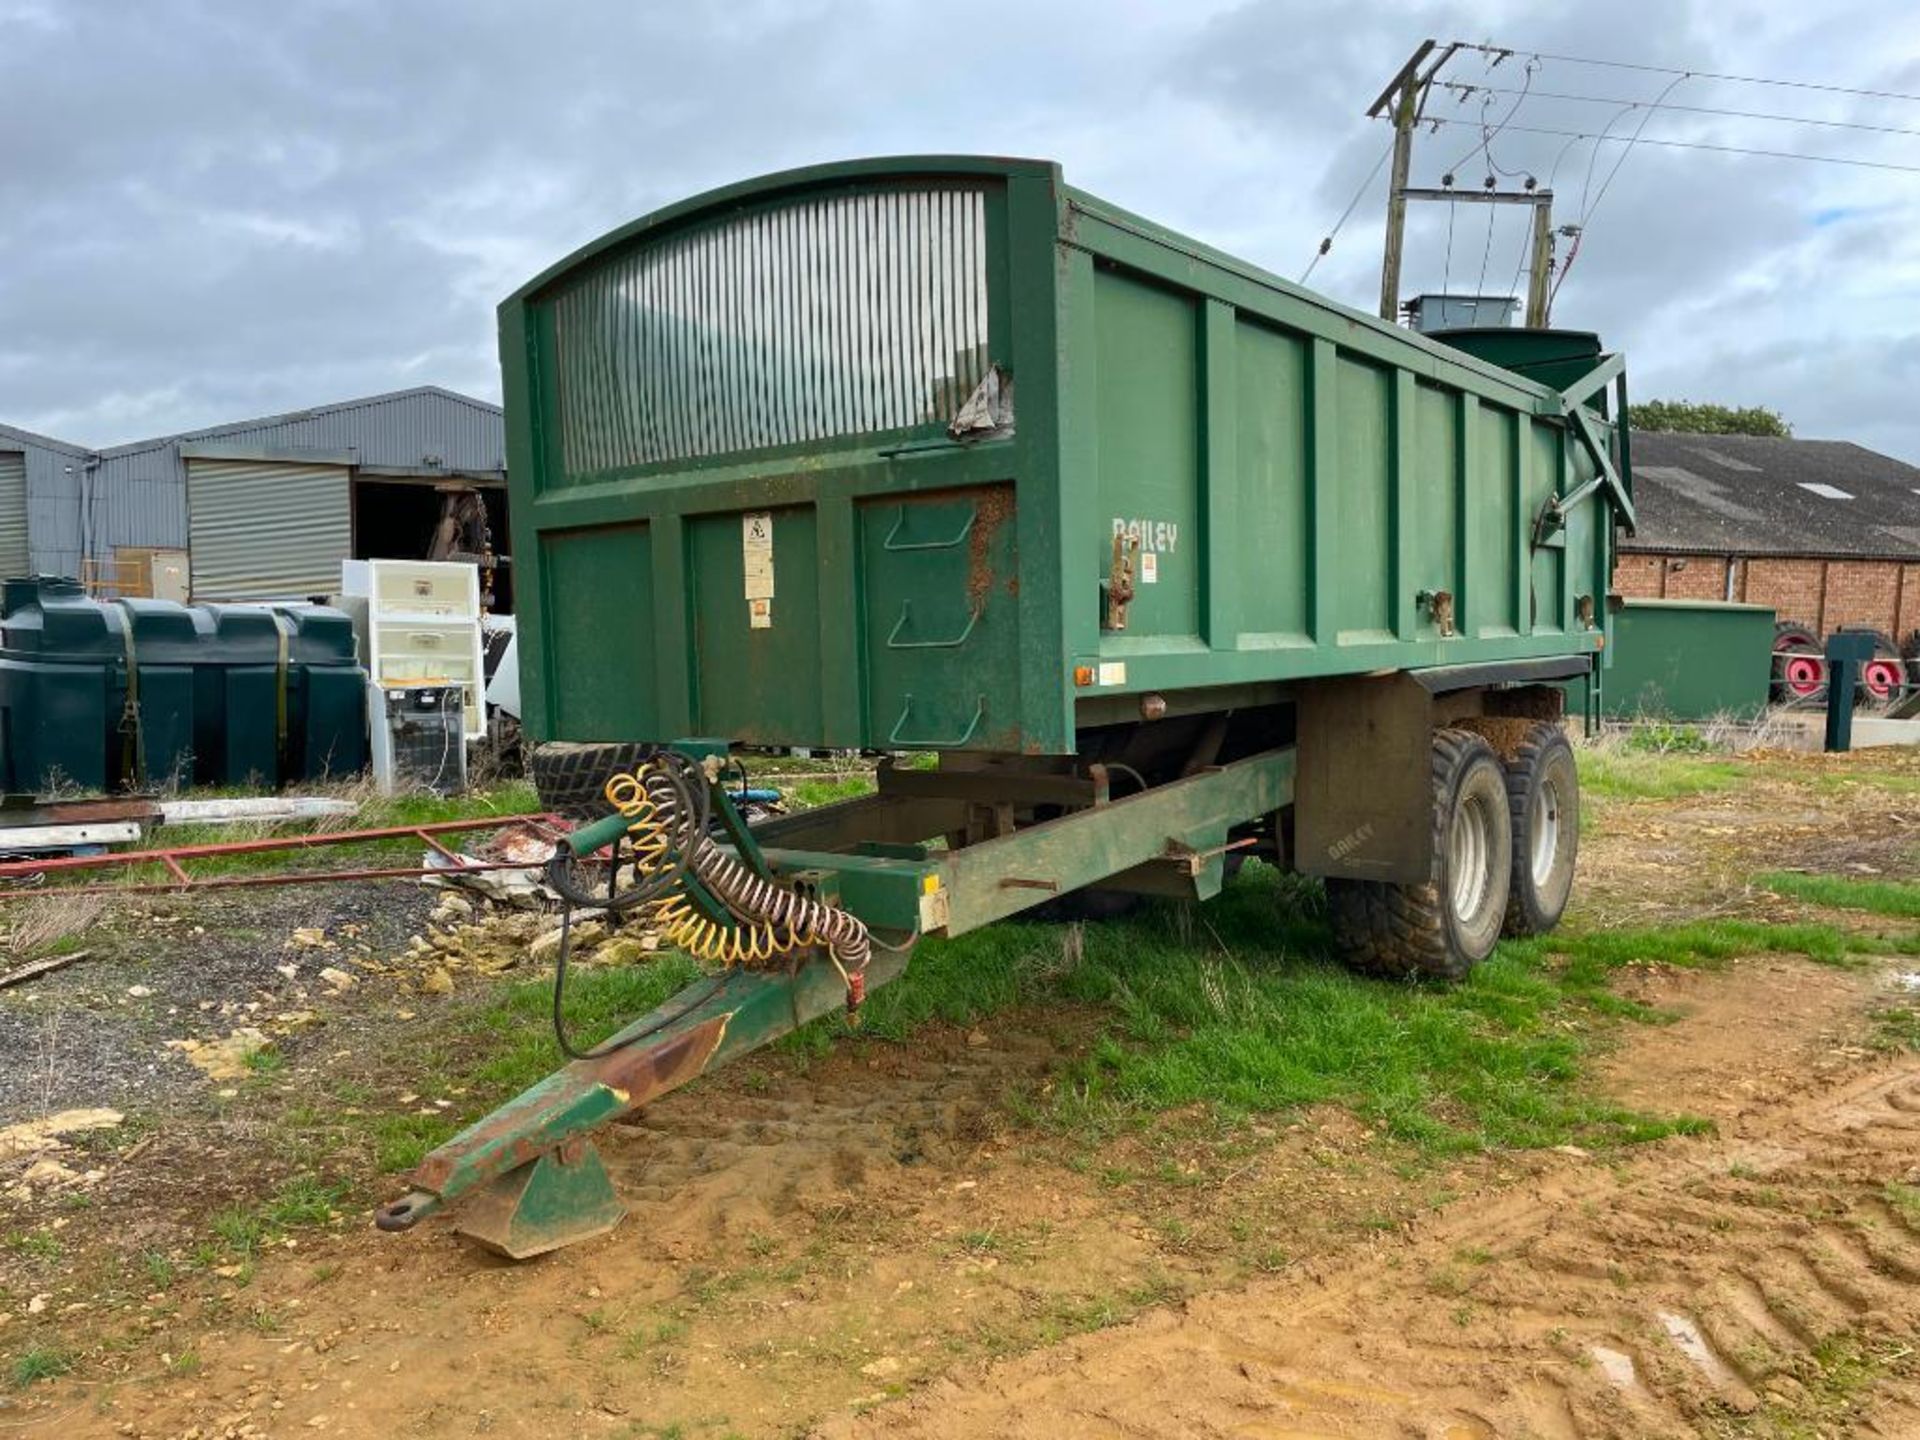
[1695,1291]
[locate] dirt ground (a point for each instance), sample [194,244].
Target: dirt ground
[881,1241]
[1707,1288]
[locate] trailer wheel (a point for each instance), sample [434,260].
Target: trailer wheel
[571,779]
[1442,927]
[1543,791]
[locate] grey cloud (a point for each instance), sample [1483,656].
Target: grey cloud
[218,208]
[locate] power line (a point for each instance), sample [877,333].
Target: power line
[1493,213]
[1697,74]
[1326,244]
[1695,145]
[1593,155]
[1519,264]
[1586,212]
[1467,89]
[1488,136]
[1607,184]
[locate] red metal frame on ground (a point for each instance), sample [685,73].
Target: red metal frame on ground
[171,856]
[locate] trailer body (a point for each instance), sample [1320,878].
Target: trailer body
[740,510]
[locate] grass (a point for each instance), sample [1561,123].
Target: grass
[40,1244]
[1896,1028]
[1905,1201]
[1897,898]
[1238,1006]
[39,1362]
[1625,773]
[1664,737]
[1247,1011]
[517,1027]
[808,794]
[1590,956]
[299,1204]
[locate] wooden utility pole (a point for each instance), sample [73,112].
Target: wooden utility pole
[1405,100]
[1405,96]
[1540,267]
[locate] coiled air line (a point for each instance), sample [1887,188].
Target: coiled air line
[666,804]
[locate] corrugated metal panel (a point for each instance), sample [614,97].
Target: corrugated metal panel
[52,488]
[15,557]
[827,316]
[425,429]
[257,530]
[136,495]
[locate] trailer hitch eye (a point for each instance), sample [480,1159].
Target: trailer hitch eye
[401,1214]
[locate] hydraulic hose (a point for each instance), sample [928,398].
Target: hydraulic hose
[666,809]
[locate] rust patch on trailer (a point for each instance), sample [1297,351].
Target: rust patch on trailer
[640,1074]
[630,1077]
[991,507]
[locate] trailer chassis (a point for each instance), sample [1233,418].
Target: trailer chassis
[528,1179]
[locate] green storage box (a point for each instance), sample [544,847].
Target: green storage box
[1689,660]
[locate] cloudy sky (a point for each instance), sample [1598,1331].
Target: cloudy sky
[215,210]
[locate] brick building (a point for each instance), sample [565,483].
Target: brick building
[1825,532]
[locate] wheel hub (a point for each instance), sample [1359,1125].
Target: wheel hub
[1543,830]
[1469,842]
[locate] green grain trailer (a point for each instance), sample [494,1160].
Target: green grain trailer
[1166,560]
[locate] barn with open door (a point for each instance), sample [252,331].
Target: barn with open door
[267,509]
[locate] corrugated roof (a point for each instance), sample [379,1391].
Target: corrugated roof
[43,442]
[1750,495]
[293,417]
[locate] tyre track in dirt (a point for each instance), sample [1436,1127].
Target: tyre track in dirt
[1717,1287]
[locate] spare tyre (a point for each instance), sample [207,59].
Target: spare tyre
[571,777]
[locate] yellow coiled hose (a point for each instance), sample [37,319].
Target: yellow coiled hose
[772,921]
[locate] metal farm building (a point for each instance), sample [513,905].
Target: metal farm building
[254,509]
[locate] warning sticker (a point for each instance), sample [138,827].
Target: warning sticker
[759,614]
[1149,568]
[756,549]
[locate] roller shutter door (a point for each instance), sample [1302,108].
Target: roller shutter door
[260,529]
[15,561]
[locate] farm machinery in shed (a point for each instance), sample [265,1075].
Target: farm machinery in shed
[1165,560]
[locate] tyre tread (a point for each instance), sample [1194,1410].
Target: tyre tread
[1400,931]
[571,777]
[1523,916]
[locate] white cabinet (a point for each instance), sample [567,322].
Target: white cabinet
[422,628]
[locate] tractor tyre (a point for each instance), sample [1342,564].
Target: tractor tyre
[1883,679]
[571,778]
[1543,793]
[1441,927]
[1799,665]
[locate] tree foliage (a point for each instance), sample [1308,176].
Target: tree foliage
[1690,418]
